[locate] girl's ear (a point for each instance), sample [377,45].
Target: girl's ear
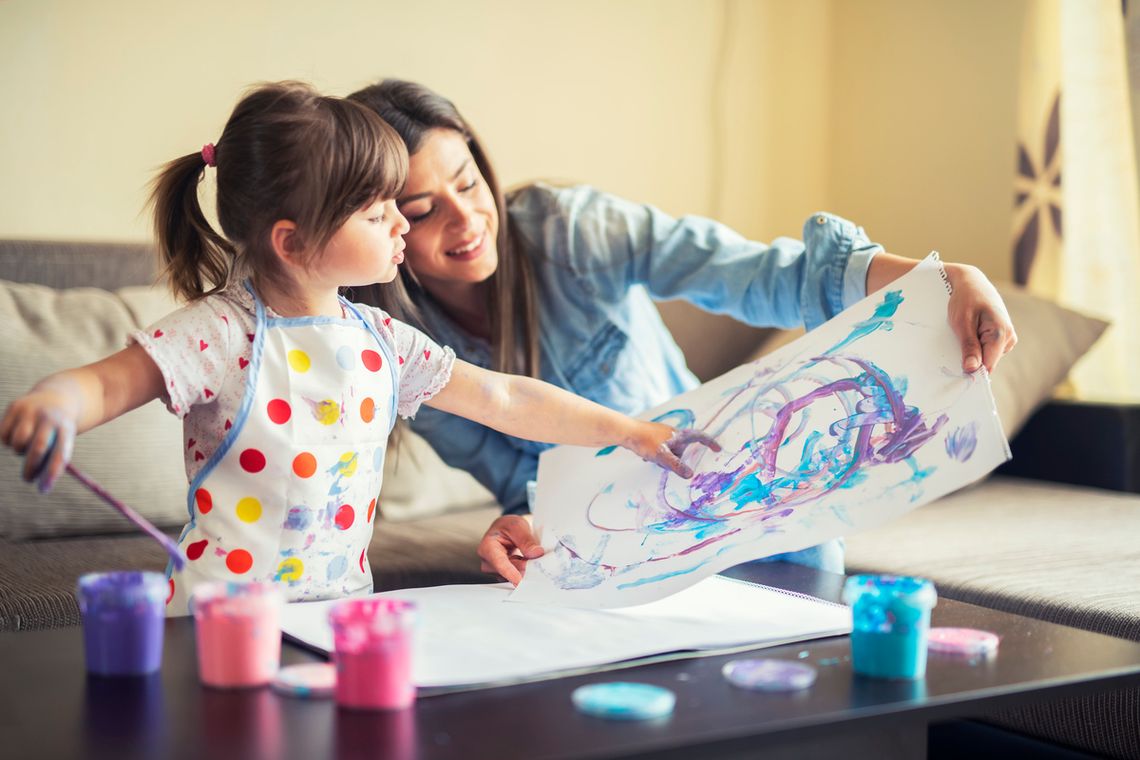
[286,241]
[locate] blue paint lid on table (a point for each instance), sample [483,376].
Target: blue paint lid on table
[623,700]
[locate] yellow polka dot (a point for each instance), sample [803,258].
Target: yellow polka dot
[249,509]
[290,569]
[327,412]
[299,360]
[347,465]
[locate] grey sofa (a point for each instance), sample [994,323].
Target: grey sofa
[1017,542]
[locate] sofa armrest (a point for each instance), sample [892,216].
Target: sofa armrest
[1082,443]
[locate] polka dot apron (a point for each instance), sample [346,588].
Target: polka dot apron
[290,494]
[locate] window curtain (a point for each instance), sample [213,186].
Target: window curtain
[1076,224]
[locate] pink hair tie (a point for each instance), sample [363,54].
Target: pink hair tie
[208,155]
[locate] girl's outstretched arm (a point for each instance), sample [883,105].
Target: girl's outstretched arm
[529,408]
[44,422]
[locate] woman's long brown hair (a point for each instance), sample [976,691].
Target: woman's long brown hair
[413,110]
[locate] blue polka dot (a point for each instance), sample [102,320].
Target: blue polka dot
[337,567]
[378,458]
[346,358]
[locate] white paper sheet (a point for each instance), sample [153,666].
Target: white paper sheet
[472,636]
[854,424]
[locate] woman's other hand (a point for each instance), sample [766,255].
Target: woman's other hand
[979,318]
[507,545]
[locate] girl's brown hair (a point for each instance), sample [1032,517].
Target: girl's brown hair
[286,152]
[413,110]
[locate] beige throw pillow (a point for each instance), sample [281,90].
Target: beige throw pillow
[137,457]
[417,483]
[1050,340]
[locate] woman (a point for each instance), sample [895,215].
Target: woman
[557,283]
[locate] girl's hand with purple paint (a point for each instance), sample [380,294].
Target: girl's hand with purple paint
[979,318]
[43,423]
[42,426]
[665,445]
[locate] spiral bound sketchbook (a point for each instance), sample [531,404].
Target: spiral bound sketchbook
[470,636]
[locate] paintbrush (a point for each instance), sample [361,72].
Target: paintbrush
[143,524]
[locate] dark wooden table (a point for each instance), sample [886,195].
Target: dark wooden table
[49,708]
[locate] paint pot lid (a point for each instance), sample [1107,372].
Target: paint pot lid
[624,700]
[964,641]
[311,680]
[765,674]
[910,590]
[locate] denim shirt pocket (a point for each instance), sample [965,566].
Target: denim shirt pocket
[592,370]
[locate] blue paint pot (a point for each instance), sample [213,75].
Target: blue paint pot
[890,617]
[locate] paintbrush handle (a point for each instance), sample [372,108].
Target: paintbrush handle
[144,524]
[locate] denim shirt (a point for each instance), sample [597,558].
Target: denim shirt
[599,262]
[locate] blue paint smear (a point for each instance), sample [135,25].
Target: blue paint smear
[299,518]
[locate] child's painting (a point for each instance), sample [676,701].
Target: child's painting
[852,425]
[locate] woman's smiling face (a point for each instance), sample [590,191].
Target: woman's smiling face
[454,222]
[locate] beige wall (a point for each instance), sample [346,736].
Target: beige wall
[898,113]
[924,99]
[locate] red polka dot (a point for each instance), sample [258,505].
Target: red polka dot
[170,594]
[194,550]
[252,460]
[345,517]
[371,360]
[367,409]
[362,551]
[304,465]
[279,411]
[204,501]
[371,509]
[239,561]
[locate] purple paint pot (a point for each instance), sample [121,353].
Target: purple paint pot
[123,622]
[238,631]
[890,617]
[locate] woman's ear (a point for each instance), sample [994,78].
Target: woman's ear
[286,241]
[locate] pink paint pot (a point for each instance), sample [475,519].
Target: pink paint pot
[372,651]
[238,629]
[123,622]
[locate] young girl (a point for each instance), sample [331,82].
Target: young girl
[287,391]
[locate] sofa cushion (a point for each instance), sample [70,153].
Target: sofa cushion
[136,457]
[1051,339]
[417,483]
[38,577]
[1060,553]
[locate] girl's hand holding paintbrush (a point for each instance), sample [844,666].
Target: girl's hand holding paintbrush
[42,427]
[43,424]
[67,403]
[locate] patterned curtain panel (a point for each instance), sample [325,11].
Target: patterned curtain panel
[1076,225]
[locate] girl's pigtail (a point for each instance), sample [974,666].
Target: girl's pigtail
[196,260]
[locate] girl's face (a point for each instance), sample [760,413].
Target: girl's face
[367,248]
[454,222]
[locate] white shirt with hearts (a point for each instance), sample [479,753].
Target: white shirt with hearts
[204,349]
